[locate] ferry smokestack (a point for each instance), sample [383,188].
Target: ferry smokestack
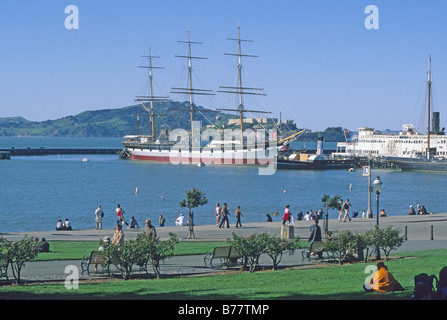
[320,146]
[435,123]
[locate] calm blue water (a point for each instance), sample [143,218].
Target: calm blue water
[37,191]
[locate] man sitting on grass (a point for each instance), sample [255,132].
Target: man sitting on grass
[382,281]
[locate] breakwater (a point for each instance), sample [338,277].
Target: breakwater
[52,151]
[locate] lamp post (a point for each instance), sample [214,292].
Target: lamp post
[378,188]
[368,211]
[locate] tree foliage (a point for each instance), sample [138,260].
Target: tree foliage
[194,198]
[252,247]
[17,253]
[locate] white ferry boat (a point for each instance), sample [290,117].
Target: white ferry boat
[408,150]
[408,143]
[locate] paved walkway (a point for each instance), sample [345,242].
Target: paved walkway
[419,230]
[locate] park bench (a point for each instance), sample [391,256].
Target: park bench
[315,250]
[96,257]
[4,268]
[226,255]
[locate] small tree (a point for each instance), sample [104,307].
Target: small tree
[388,239]
[329,203]
[341,245]
[370,238]
[250,249]
[156,250]
[194,199]
[18,253]
[275,247]
[124,256]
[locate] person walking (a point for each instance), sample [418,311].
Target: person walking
[119,213]
[225,214]
[99,214]
[340,212]
[218,214]
[346,206]
[286,217]
[238,215]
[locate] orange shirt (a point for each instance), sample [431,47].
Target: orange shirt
[384,281]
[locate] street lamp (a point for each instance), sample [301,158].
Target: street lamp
[377,189]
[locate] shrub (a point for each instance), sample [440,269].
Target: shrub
[390,240]
[124,257]
[252,247]
[275,247]
[155,250]
[18,253]
[342,245]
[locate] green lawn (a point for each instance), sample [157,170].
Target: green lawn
[328,283]
[69,250]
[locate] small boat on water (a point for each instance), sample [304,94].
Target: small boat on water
[305,161]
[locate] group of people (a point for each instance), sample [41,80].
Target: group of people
[221,215]
[419,210]
[99,215]
[63,225]
[289,219]
[40,245]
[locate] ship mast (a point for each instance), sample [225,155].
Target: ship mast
[240,90]
[428,120]
[151,98]
[190,90]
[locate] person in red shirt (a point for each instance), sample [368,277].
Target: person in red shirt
[286,217]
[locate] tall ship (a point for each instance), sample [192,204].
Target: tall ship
[408,150]
[180,147]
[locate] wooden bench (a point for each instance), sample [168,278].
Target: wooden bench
[96,257]
[315,250]
[4,268]
[224,254]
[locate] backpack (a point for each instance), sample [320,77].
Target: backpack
[425,287]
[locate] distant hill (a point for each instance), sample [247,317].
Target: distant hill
[106,122]
[123,121]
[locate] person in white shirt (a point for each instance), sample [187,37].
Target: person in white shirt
[99,214]
[307,216]
[180,221]
[67,225]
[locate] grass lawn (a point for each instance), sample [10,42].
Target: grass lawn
[327,283]
[69,250]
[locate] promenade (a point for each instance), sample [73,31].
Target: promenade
[424,232]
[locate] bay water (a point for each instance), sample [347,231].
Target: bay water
[36,191]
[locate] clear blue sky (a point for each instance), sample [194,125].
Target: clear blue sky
[317,62]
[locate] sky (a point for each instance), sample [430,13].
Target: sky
[317,62]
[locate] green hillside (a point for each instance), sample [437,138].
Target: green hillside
[104,123]
[123,121]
